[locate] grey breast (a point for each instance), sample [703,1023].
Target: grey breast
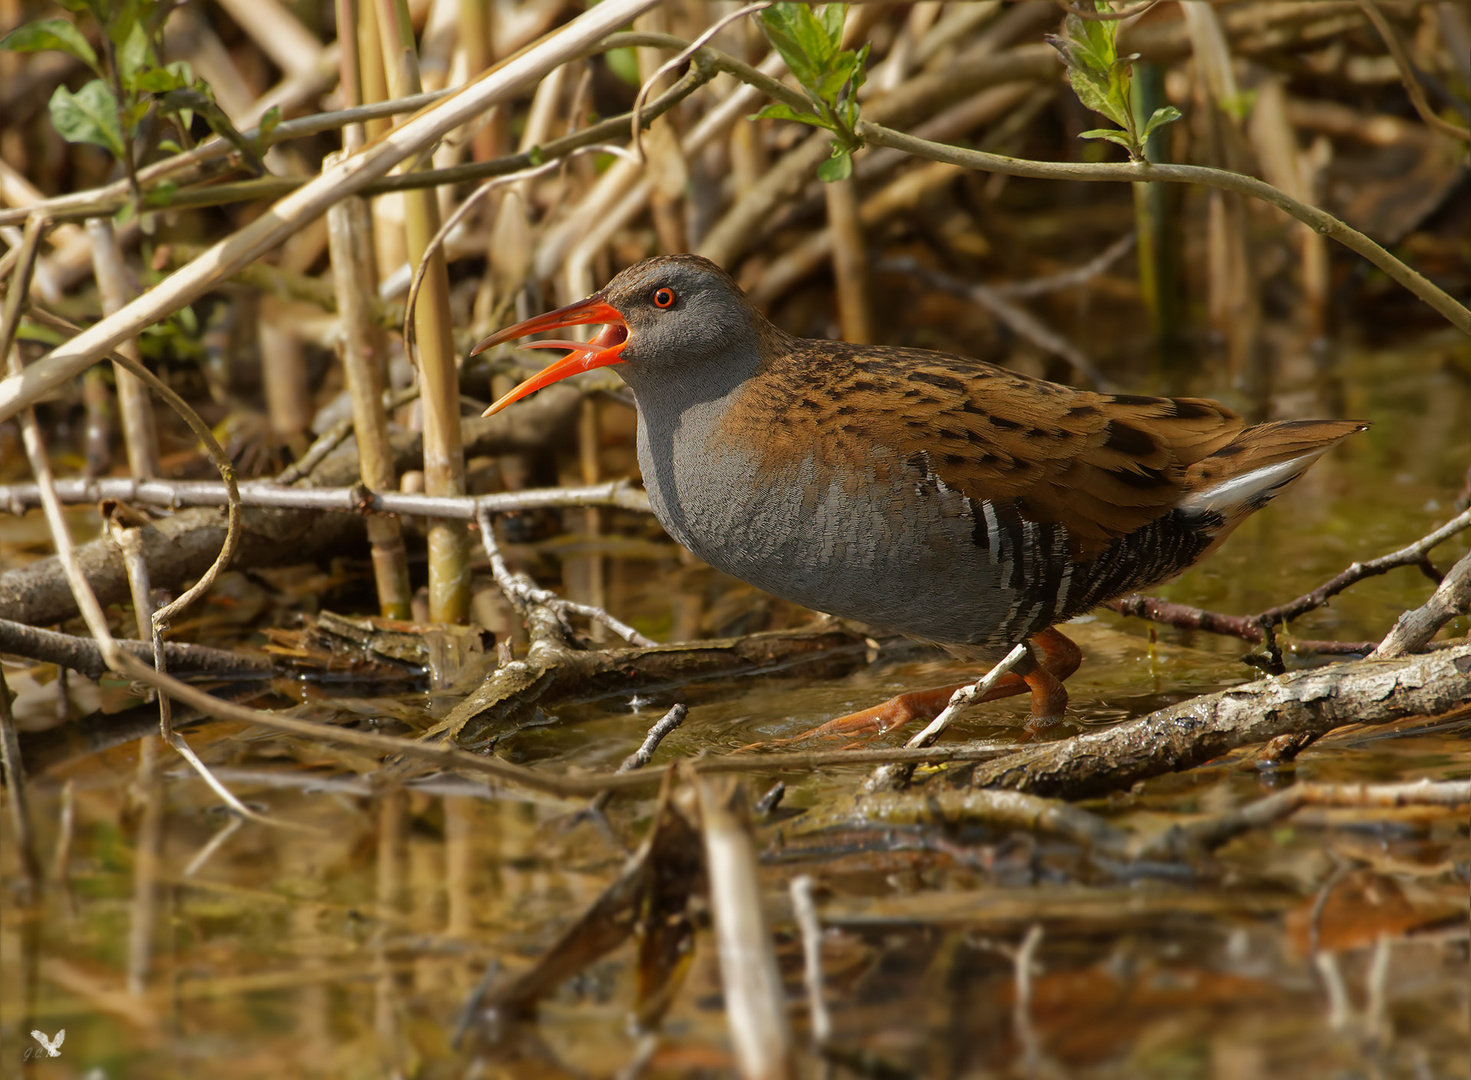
[905,554]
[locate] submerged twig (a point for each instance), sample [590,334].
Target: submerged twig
[1212,832]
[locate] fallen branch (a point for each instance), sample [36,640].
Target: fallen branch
[83,655]
[1193,732]
[1414,629]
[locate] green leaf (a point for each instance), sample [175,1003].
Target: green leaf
[134,54]
[1165,114]
[88,116]
[121,18]
[1112,135]
[158,81]
[838,167]
[831,16]
[536,156]
[1097,73]
[803,41]
[860,69]
[831,81]
[55,34]
[780,110]
[196,99]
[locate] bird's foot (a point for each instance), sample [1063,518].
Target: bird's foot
[1054,657]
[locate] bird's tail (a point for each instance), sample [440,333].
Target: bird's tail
[1247,473]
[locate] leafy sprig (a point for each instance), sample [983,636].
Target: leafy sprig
[1102,79]
[810,40]
[130,82]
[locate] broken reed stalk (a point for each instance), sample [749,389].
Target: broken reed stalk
[140,430]
[364,355]
[444,456]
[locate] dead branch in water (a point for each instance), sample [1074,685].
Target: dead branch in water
[1195,731]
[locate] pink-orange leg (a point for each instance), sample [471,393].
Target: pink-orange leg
[1053,658]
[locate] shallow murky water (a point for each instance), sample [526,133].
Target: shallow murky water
[347,944]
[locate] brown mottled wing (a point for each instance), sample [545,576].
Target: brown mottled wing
[1100,465]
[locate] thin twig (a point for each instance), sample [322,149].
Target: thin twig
[1068,279]
[965,696]
[1409,77]
[679,58]
[17,498]
[15,296]
[229,488]
[643,755]
[524,593]
[887,777]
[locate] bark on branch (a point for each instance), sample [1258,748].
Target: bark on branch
[1193,732]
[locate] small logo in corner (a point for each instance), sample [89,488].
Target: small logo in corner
[52,1046]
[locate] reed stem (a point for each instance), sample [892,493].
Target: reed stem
[444,457]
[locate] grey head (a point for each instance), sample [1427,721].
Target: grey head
[692,334]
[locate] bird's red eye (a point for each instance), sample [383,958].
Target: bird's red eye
[664,296]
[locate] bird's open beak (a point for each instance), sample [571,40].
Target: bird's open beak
[601,351]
